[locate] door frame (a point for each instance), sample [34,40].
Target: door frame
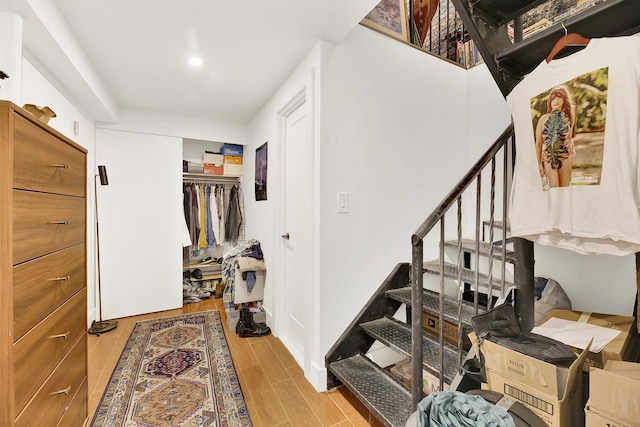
[313,365]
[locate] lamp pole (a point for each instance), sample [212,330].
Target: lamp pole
[101,326]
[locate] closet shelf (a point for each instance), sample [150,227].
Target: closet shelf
[205,177]
[214,276]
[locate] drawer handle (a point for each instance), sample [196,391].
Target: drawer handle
[61,166]
[59,222]
[65,335]
[60,279]
[65,391]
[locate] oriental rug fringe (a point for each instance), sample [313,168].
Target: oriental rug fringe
[174,371]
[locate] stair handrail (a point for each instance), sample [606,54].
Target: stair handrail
[417,260]
[426,226]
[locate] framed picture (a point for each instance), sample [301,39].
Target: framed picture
[261,172]
[389,17]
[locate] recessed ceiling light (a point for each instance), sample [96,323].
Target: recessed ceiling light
[196,61]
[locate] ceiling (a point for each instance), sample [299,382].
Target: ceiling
[138,50]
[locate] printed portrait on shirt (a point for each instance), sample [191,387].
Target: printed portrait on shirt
[569,124]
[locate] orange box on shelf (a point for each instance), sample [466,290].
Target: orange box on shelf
[233,160]
[213,169]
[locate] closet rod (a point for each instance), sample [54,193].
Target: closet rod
[211,179]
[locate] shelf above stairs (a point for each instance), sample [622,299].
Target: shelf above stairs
[509,62]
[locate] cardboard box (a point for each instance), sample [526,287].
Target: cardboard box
[240,292]
[232,170]
[595,419]
[231,150]
[614,392]
[213,169]
[403,370]
[193,167]
[232,160]
[616,349]
[552,392]
[214,158]
[431,324]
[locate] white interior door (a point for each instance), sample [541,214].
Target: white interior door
[140,218]
[298,239]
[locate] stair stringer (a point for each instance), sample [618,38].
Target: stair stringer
[354,339]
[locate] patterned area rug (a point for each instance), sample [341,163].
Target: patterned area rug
[174,371]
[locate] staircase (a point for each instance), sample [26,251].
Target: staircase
[478,265]
[466,272]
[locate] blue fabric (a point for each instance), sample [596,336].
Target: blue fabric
[211,240]
[251,280]
[457,409]
[254,251]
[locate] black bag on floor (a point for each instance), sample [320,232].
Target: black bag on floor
[500,325]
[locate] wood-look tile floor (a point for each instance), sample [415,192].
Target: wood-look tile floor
[274,386]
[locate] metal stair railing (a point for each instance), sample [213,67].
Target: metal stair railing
[523,265]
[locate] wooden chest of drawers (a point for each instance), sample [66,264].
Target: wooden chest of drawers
[43,294]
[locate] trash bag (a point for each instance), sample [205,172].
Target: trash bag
[549,296]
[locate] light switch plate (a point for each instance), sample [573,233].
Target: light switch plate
[343,202]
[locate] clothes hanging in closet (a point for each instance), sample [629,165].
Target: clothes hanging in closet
[234,215]
[207,221]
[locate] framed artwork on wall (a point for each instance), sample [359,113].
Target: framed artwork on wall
[261,172]
[389,17]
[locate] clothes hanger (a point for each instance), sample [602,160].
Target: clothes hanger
[569,40]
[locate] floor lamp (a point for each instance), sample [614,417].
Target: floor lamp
[101,326]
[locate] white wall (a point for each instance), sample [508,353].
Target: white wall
[394,137]
[263,218]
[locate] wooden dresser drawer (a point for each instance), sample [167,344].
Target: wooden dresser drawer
[44,223]
[76,414]
[43,162]
[43,284]
[42,348]
[49,404]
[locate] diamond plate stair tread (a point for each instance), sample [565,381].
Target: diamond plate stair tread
[469,276]
[469,245]
[398,336]
[387,399]
[431,304]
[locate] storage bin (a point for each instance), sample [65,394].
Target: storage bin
[241,294]
[233,316]
[231,150]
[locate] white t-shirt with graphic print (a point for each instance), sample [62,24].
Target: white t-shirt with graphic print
[598,213]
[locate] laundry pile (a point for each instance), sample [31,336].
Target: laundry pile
[240,267]
[195,290]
